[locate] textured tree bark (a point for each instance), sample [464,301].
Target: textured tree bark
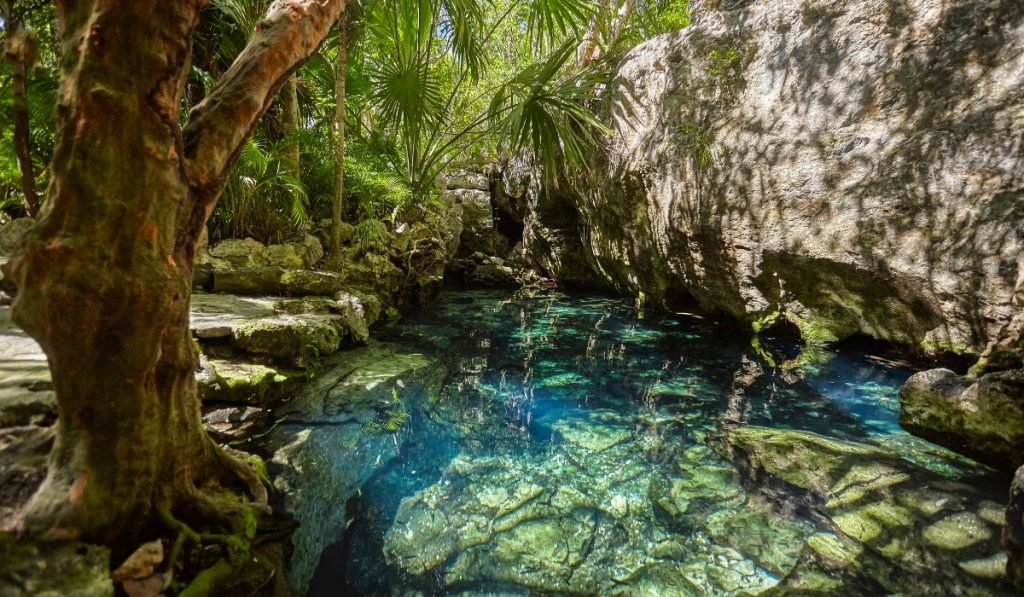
[290,123]
[589,49]
[20,51]
[104,279]
[338,205]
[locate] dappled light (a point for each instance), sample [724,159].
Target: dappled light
[511,297]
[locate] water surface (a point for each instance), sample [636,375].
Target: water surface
[581,446]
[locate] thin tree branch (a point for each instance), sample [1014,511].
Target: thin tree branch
[219,125]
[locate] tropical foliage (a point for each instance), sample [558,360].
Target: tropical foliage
[430,85]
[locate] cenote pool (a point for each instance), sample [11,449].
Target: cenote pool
[580,446]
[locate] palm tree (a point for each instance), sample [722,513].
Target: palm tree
[240,19]
[427,52]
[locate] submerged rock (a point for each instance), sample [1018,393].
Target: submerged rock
[895,527]
[590,516]
[336,435]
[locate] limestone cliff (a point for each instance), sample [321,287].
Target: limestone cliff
[852,166]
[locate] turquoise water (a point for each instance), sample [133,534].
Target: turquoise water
[580,446]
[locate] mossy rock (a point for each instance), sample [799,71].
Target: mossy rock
[249,281]
[249,383]
[53,570]
[311,283]
[300,341]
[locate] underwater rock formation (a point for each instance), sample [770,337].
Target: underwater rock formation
[335,435]
[895,527]
[854,167]
[592,516]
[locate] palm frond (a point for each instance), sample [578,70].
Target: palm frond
[543,108]
[551,21]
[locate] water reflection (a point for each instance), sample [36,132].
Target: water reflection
[575,449]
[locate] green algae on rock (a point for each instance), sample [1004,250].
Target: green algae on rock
[900,513]
[322,452]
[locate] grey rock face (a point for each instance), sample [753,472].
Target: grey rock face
[478,232]
[553,230]
[852,166]
[12,232]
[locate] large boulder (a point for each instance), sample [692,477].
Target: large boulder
[296,255]
[241,253]
[981,414]
[465,179]
[12,233]
[983,418]
[853,166]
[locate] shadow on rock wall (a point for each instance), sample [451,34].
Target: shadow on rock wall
[853,167]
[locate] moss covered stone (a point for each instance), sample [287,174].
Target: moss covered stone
[53,570]
[886,512]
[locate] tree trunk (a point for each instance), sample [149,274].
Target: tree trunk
[104,279]
[589,49]
[290,122]
[338,204]
[20,51]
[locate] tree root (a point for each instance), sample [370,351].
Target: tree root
[220,508]
[234,461]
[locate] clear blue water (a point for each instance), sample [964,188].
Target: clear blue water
[575,447]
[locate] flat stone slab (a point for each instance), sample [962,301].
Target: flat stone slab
[26,393]
[217,315]
[16,345]
[299,331]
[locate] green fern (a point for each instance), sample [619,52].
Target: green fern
[390,420]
